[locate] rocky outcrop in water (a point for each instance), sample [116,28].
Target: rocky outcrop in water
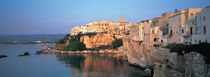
[26,53]
[3,56]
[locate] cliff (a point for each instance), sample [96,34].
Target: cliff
[137,52]
[165,62]
[97,40]
[89,41]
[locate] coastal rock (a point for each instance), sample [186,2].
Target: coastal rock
[148,72]
[26,53]
[196,66]
[3,56]
[162,70]
[40,52]
[137,54]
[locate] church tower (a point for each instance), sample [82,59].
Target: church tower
[122,19]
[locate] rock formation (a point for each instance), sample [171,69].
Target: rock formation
[166,63]
[97,40]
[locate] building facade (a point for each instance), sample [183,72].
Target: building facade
[116,28]
[201,29]
[180,25]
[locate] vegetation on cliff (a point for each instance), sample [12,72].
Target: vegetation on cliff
[117,43]
[73,43]
[202,48]
[63,41]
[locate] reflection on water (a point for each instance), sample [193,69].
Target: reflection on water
[60,65]
[98,66]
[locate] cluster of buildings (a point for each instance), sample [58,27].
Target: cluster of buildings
[190,26]
[111,27]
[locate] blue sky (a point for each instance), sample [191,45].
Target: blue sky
[59,16]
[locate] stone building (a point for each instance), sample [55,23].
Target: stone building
[200,31]
[76,30]
[145,25]
[180,23]
[159,29]
[111,27]
[163,28]
[154,30]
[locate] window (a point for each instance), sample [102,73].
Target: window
[182,30]
[161,41]
[191,30]
[155,39]
[191,14]
[204,30]
[167,25]
[204,18]
[171,33]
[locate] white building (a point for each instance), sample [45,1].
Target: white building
[180,25]
[201,31]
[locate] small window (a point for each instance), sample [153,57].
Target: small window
[191,30]
[155,39]
[204,18]
[161,41]
[191,14]
[182,30]
[204,30]
[199,41]
[171,33]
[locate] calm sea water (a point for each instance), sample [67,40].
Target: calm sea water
[59,65]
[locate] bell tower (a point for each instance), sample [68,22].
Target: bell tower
[122,19]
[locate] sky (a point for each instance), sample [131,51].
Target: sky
[59,16]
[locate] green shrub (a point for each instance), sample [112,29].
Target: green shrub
[156,45]
[178,48]
[117,43]
[90,34]
[202,48]
[63,41]
[75,44]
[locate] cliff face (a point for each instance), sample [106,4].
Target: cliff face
[166,64]
[97,40]
[137,52]
[195,65]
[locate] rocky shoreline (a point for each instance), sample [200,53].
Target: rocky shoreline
[116,54]
[166,63]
